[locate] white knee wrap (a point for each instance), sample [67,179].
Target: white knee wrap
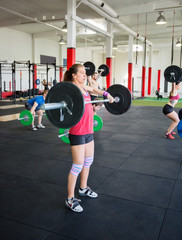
[88,161]
[76,169]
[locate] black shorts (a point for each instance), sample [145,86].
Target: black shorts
[80,139]
[167,109]
[28,106]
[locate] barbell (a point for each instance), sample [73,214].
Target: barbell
[65,104]
[90,69]
[173,74]
[26,117]
[97,125]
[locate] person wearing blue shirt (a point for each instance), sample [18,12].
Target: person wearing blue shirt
[34,105]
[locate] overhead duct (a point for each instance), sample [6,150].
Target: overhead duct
[104,7]
[115,21]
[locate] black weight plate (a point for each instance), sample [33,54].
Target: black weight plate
[180,114]
[173,73]
[71,94]
[124,103]
[105,68]
[89,68]
[54,82]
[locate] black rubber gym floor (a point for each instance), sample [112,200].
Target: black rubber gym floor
[136,171]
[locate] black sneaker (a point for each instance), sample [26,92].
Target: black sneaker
[74,204]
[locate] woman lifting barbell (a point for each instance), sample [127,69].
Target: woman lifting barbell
[168,110]
[81,140]
[34,105]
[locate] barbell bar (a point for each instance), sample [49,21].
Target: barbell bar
[116,99]
[71,112]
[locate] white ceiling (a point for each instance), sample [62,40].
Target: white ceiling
[138,15]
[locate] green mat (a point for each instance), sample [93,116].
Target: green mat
[152,101]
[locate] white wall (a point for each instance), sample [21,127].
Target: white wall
[14,46]
[19,46]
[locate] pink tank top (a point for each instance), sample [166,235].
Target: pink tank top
[174,97]
[85,125]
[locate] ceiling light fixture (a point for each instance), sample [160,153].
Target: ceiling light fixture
[114,46]
[61,41]
[64,28]
[178,43]
[161,19]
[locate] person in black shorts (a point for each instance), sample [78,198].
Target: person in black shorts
[168,110]
[81,140]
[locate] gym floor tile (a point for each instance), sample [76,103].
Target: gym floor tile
[115,146]
[111,129]
[162,141]
[172,229]
[4,112]
[109,159]
[138,187]
[12,230]
[176,199]
[180,174]
[53,236]
[39,149]
[11,106]
[38,204]
[124,137]
[37,168]
[100,135]
[162,167]
[97,176]
[158,151]
[115,219]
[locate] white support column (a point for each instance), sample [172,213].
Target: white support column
[150,55]
[71,32]
[130,50]
[71,24]
[109,41]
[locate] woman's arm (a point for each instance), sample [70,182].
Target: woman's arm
[173,92]
[99,92]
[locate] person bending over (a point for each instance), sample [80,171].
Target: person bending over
[34,105]
[81,140]
[168,110]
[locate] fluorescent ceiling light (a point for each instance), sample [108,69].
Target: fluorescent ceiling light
[64,28]
[98,25]
[114,47]
[138,48]
[178,43]
[84,31]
